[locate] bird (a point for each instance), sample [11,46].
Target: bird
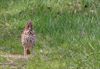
[28,38]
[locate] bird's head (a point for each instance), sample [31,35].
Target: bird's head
[29,26]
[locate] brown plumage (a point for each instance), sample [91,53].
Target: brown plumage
[28,38]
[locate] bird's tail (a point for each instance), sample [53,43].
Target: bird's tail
[27,51]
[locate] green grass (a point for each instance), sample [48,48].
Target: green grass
[68,32]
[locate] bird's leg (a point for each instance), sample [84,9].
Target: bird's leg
[25,51]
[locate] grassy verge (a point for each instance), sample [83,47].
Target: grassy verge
[68,32]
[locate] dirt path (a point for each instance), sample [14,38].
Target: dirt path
[14,61]
[15,56]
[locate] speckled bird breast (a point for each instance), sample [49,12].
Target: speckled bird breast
[28,38]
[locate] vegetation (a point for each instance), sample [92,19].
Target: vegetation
[68,32]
